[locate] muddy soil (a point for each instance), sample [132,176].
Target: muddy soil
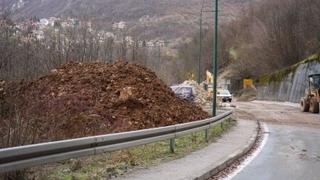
[276,112]
[79,100]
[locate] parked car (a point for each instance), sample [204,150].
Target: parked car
[184,92]
[225,95]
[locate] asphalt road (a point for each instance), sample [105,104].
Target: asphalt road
[276,113]
[292,150]
[291,153]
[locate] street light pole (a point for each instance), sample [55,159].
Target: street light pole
[215,57]
[200,50]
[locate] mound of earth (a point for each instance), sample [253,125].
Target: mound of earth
[79,100]
[247,94]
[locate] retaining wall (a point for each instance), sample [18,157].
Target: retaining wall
[292,86]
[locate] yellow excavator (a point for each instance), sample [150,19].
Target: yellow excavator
[310,103]
[209,84]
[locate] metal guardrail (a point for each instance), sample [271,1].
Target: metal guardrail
[17,158]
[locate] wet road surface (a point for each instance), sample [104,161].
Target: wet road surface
[290,153]
[292,150]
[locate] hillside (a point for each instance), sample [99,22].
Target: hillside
[166,19]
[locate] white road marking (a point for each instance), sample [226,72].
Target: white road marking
[248,160]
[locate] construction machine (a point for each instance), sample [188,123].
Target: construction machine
[208,85]
[310,103]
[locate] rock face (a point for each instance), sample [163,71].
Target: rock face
[291,87]
[79,100]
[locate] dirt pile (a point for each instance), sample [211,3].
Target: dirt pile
[79,100]
[247,94]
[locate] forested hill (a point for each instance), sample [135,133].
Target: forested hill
[166,19]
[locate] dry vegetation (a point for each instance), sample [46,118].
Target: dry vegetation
[171,19]
[24,56]
[267,36]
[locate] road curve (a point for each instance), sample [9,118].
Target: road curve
[290,153]
[293,147]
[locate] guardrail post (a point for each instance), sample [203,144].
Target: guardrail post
[207,135]
[172,145]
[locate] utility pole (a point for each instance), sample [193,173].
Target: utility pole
[202,11]
[164,43]
[200,48]
[215,57]
[158,45]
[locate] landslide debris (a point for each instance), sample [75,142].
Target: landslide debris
[201,95]
[79,100]
[247,94]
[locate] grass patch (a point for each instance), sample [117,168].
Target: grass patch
[108,165]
